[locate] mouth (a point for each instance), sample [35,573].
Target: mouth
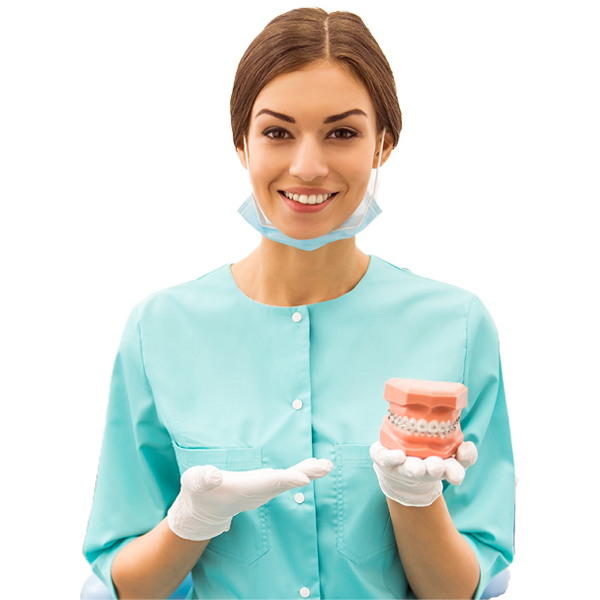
[422,427]
[308,199]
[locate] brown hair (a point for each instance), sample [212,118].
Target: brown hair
[302,36]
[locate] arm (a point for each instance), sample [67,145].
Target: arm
[472,524]
[437,560]
[155,564]
[138,479]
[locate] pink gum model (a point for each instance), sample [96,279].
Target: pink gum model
[424,417]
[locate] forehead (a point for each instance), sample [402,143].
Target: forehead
[315,92]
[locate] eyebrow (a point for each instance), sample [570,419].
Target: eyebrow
[332,119]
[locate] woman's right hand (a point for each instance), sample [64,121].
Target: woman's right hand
[210,498]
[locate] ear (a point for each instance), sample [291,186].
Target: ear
[388,146]
[240,152]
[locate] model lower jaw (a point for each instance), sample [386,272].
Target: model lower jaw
[420,444]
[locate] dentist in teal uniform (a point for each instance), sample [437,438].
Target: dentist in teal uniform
[245,406]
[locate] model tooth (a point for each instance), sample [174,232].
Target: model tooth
[433,428]
[303,199]
[312,199]
[422,426]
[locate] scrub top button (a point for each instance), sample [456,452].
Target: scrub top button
[297,404]
[304,592]
[297,317]
[299,498]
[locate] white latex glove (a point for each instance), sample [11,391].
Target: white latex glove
[418,482]
[210,498]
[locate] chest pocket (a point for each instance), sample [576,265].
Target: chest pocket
[364,525]
[247,539]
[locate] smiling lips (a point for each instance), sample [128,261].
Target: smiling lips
[423,417]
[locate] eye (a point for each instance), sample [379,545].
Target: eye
[276,133]
[343,134]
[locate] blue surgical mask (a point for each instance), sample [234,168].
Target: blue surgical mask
[367,210]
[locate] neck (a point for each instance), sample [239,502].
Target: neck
[281,275]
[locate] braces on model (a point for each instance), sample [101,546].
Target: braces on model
[422,427]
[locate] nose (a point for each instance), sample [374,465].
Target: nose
[309,161]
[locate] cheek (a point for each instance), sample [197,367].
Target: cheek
[357,168]
[261,174]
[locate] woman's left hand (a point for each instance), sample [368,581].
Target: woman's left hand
[414,481]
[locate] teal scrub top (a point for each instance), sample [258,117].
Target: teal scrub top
[205,375]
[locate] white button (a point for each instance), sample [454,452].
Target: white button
[299,498]
[297,317]
[297,404]
[304,592]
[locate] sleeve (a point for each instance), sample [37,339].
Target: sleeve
[138,476]
[482,507]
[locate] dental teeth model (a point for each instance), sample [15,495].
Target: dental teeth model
[423,417]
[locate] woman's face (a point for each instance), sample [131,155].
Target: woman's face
[312,136]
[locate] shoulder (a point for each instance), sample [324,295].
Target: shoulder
[197,295]
[410,287]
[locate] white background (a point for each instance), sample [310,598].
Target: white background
[40,296]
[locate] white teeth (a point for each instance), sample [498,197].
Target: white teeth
[412,424]
[422,427]
[432,428]
[304,199]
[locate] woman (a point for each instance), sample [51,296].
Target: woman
[227,388]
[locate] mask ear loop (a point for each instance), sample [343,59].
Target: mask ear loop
[375,186]
[261,216]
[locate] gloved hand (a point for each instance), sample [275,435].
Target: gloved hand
[418,482]
[210,498]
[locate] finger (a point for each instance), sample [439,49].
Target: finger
[466,454]
[288,479]
[455,472]
[313,468]
[202,478]
[435,466]
[385,457]
[266,483]
[414,467]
